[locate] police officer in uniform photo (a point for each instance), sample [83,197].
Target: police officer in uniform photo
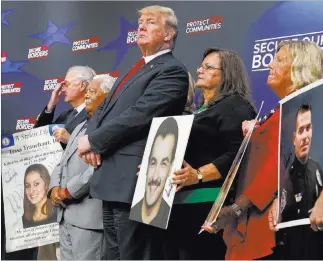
[299,193]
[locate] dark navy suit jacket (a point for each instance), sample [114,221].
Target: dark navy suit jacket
[120,126]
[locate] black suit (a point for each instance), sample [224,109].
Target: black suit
[119,132]
[48,118]
[300,189]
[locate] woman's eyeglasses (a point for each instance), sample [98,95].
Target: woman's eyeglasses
[207,67]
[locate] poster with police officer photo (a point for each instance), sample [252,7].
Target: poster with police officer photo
[300,155]
[164,154]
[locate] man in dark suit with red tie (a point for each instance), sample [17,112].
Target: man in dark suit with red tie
[116,138]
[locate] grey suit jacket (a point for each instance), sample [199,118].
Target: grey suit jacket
[73,173]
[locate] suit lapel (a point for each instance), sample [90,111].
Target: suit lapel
[77,119]
[113,89]
[145,69]
[69,148]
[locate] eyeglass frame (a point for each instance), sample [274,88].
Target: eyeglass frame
[207,67]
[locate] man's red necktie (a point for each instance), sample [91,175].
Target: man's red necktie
[134,69]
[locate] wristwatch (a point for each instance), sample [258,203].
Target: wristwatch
[237,210]
[199,175]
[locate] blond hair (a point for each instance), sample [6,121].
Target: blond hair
[189,106]
[169,15]
[307,66]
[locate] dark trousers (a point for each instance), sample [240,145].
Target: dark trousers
[26,254]
[127,239]
[182,240]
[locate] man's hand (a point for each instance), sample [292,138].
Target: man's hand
[92,159]
[55,97]
[316,217]
[61,135]
[63,194]
[185,177]
[83,145]
[273,216]
[54,196]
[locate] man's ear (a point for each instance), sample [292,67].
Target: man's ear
[294,137]
[169,35]
[83,86]
[107,94]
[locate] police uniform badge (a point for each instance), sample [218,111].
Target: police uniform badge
[318,177]
[298,197]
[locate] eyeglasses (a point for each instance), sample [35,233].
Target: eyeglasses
[207,67]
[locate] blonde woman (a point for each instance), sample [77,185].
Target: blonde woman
[190,106]
[247,234]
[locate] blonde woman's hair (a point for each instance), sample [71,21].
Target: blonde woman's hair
[169,15]
[189,106]
[307,66]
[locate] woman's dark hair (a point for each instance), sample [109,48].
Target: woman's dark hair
[234,77]
[29,208]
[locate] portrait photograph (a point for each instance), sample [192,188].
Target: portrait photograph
[164,154]
[38,209]
[27,165]
[301,155]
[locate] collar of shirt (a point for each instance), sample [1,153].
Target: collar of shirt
[80,108]
[151,57]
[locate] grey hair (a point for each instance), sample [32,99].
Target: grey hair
[84,73]
[234,77]
[307,65]
[170,18]
[106,81]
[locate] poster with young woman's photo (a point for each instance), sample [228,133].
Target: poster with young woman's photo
[300,157]
[28,158]
[164,154]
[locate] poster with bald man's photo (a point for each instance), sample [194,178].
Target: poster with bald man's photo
[27,161]
[300,155]
[164,154]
